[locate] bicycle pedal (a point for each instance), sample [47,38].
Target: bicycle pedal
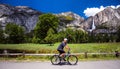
[64,59]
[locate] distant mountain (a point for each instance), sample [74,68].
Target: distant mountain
[109,18]
[27,17]
[69,19]
[21,15]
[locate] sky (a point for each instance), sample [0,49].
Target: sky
[84,8]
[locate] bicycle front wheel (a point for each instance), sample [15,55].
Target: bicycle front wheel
[72,59]
[55,59]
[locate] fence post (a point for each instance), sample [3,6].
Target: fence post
[86,56]
[116,53]
[23,54]
[5,52]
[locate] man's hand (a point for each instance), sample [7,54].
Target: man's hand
[67,47]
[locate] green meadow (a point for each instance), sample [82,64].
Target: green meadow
[75,48]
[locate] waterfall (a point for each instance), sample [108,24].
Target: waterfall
[93,25]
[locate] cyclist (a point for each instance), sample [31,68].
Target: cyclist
[61,47]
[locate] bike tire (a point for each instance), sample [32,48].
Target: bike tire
[72,60]
[55,59]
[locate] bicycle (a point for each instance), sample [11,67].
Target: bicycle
[70,59]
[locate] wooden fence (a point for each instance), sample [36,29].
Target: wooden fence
[5,53]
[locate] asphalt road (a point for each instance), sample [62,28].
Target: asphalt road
[113,64]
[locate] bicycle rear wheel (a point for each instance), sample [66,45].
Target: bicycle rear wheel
[72,59]
[55,59]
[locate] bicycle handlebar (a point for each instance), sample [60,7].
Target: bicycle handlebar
[68,51]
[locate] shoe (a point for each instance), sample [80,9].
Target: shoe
[64,59]
[59,63]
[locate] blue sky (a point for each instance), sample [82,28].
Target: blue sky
[58,6]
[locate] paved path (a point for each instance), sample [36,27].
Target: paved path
[113,64]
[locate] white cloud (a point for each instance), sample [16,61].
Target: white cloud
[117,6]
[92,11]
[113,6]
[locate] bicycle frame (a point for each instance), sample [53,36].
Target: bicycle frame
[66,58]
[66,55]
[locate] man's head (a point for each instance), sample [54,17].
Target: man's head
[65,40]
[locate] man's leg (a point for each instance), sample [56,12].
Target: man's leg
[62,55]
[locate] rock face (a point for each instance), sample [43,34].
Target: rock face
[69,19]
[27,17]
[108,18]
[21,15]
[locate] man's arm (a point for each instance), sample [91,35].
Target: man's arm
[67,47]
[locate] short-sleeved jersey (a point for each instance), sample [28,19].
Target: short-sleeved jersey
[61,46]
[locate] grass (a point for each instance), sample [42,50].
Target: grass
[75,48]
[47,58]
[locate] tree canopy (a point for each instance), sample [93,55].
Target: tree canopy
[15,33]
[1,34]
[45,22]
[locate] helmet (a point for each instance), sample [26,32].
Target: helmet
[65,39]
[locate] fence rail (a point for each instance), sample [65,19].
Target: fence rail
[25,54]
[5,53]
[31,54]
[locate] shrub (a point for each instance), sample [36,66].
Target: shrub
[15,33]
[74,36]
[45,22]
[1,35]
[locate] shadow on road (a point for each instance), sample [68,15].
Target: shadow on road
[64,63]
